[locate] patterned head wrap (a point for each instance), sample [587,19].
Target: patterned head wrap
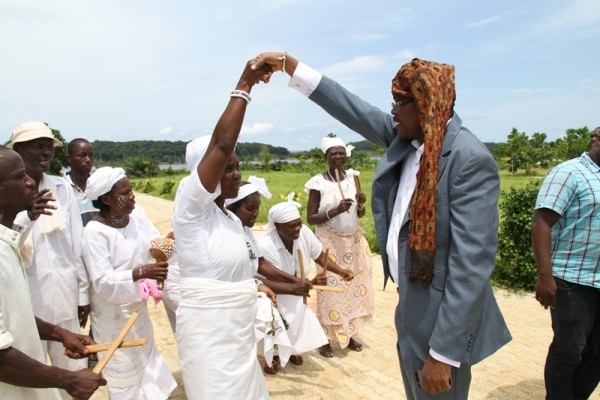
[431,85]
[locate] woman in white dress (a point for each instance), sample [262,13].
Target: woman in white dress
[280,246]
[217,262]
[115,251]
[335,209]
[276,349]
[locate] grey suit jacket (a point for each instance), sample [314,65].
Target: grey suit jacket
[457,315]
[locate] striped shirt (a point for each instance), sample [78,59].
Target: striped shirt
[572,190]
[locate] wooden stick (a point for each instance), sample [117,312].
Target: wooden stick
[114,345]
[357,184]
[95,348]
[328,288]
[337,178]
[326,261]
[302,275]
[353,275]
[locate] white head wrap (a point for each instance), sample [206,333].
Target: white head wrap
[195,150]
[102,181]
[255,184]
[329,142]
[284,212]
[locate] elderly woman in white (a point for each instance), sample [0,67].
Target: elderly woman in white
[280,247]
[115,252]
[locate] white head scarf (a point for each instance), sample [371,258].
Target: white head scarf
[255,184]
[102,181]
[329,142]
[195,150]
[284,212]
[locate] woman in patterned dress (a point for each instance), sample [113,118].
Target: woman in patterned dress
[335,209]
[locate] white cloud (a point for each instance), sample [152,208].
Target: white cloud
[358,64]
[165,131]
[406,54]
[482,22]
[258,128]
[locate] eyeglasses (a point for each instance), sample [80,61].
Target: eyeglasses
[396,105]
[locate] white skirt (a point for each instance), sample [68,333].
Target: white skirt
[216,341]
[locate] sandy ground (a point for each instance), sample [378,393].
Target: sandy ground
[514,372]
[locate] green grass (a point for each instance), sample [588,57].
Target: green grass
[280,183]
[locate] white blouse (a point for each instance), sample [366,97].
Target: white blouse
[209,243]
[330,199]
[274,250]
[111,254]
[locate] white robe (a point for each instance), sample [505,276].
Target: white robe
[17,322]
[215,330]
[305,332]
[110,255]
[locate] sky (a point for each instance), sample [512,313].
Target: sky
[125,70]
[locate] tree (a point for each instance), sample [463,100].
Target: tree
[577,141]
[515,150]
[264,157]
[540,152]
[60,154]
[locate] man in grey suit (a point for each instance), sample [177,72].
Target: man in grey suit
[435,205]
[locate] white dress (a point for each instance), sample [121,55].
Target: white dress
[110,255]
[304,331]
[215,317]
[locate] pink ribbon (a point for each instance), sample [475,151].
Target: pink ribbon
[148,289]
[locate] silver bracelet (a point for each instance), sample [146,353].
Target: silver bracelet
[283,58]
[327,215]
[141,271]
[258,282]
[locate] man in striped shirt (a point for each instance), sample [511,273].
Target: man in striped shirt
[566,245]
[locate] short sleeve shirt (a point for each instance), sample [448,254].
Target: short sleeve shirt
[572,190]
[210,243]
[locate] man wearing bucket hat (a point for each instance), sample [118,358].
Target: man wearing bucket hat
[51,248]
[435,205]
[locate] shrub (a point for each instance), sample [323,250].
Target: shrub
[141,167]
[146,186]
[167,187]
[516,267]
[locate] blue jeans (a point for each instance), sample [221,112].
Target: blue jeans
[573,364]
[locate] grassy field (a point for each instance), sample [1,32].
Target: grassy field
[281,183]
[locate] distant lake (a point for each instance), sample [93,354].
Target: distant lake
[183,166]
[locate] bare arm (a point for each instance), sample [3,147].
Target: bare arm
[227,130]
[18,369]
[541,240]
[314,217]
[332,266]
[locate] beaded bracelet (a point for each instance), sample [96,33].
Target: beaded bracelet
[283,58]
[241,94]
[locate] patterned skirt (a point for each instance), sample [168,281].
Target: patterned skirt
[343,315]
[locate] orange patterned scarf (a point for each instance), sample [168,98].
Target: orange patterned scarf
[431,85]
